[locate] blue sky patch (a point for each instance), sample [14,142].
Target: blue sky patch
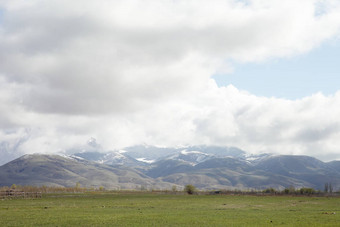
[293,78]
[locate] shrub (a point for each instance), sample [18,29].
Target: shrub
[269,190]
[190,189]
[290,190]
[307,191]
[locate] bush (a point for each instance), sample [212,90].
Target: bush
[290,190]
[174,188]
[190,189]
[269,190]
[307,191]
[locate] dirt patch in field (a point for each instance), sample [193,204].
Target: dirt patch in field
[226,206]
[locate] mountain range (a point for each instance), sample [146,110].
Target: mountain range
[149,167]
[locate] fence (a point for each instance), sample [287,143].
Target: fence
[19,194]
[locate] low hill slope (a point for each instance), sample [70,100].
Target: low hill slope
[178,169]
[273,171]
[55,170]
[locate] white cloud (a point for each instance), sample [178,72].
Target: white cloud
[128,72]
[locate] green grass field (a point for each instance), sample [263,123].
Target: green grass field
[147,209]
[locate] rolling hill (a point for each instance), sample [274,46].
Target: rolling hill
[55,170]
[203,166]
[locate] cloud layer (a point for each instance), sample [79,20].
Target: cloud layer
[129,72]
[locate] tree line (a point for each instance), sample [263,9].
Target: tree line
[189,189]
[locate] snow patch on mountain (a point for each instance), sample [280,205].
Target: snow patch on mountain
[185,152]
[113,158]
[71,157]
[145,160]
[255,158]
[192,157]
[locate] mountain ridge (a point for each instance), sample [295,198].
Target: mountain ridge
[203,166]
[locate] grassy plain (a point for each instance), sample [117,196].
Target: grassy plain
[151,209]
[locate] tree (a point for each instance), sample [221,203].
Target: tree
[330,187]
[190,189]
[269,190]
[326,188]
[307,191]
[174,188]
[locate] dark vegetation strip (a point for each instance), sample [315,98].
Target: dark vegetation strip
[18,191]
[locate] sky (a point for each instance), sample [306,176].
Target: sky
[295,77]
[261,75]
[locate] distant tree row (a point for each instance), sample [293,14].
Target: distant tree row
[189,189]
[328,187]
[300,191]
